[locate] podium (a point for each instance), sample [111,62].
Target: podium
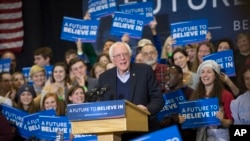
[110,126]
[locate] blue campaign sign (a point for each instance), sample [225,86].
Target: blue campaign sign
[199,113]
[187,32]
[26,73]
[74,29]
[85,137]
[225,59]
[141,8]
[15,117]
[96,110]
[167,134]
[171,106]
[48,70]
[49,125]
[5,65]
[124,23]
[101,8]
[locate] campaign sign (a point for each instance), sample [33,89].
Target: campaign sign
[187,32]
[31,122]
[171,103]
[74,29]
[199,113]
[26,73]
[167,134]
[225,59]
[48,70]
[101,8]
[96,110]
[85,137]
[5,65]
[124,23]
[49,125]
[141,8]
[15,117]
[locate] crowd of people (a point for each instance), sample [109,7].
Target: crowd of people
[156,70]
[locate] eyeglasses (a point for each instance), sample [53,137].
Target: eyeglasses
[148,53]
[121,55]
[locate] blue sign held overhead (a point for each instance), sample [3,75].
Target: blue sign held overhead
[171,106]
[188,32]
[199,113]
[74,29]
[141,8]
[225,59]
[167,134]
[99,9]
[5,65]
[96,110]
[124,23]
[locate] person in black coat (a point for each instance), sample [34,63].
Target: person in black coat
[133,82]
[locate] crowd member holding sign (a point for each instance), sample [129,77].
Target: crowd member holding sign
[240,106]
[10,55]
[26,95]
[52,101]
[173,78]
[133,82]
[210,86]
[222,45]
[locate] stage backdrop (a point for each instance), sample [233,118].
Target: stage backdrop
[226,18]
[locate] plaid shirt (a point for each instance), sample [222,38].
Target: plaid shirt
[160,71]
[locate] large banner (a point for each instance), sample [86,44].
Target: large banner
[96,110]
[172,11]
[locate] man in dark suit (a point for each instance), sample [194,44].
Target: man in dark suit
[133,82]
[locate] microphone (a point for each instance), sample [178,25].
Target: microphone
[104,89]
[93,91]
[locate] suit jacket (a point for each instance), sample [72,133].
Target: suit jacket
[144,89]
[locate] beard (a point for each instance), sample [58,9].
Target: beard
[151,61]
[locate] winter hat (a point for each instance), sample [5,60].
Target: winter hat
[143,42]
[211,64]
[28,88]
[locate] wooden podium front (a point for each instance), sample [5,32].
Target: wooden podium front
[135,120]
